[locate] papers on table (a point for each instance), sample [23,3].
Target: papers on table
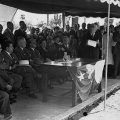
[92,43]
[68,61]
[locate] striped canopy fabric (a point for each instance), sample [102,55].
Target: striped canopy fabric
[93,8]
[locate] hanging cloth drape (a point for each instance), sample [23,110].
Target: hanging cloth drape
[87,78]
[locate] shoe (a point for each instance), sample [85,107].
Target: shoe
[33,96]
[7,117]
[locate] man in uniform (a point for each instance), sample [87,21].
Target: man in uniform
[27,72]
[10,81]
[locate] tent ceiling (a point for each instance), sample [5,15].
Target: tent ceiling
[71,7]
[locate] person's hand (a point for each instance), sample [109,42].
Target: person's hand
[9,87]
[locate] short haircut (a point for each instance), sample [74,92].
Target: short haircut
[20,38]
[21,22]
[7,44]
[102,28]
[56,28]
[92,25]
[9,23]
[84,24]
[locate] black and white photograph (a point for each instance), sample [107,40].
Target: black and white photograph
[59,60]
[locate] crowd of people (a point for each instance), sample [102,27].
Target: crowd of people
[47,45]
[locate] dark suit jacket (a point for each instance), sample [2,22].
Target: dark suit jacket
[22,54]
[9,60]
[5,62]
[43,53]
[9,35]
[34,54]
[2,39]
[86,51]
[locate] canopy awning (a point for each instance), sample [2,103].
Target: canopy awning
[6,14]
[93,8]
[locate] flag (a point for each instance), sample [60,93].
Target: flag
[87,78]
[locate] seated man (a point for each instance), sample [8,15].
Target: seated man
[5,109]
[27,72]
[34,53]
[7,64]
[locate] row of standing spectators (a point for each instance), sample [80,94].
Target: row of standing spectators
[53,43]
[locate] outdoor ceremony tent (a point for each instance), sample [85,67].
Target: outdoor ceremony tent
[88,8]
[93,8]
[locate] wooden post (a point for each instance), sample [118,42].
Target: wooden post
[47,19]
[106,70]
[84,19]
[63,20]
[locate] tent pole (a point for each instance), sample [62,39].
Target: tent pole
[84,19]
[47,19]
[14,15]
[63,20]
[106,68]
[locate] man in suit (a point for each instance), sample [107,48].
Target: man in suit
[10,81]
[27,72]
[67,32]
[83,31]
[91,52]
[5,109]
[20,32]
[8,33]
[34,53]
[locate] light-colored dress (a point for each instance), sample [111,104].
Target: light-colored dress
[110,42]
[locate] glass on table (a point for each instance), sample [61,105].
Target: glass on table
[68,57]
